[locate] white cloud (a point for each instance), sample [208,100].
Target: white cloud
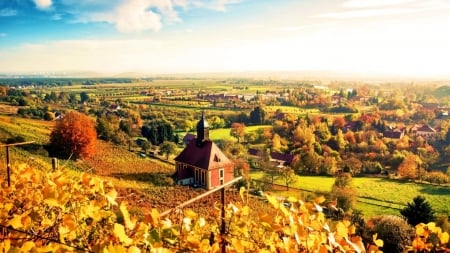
[374,3]
[43,4]
[7,12]
[220,5]
[141,15]
[138,15]
[367,13]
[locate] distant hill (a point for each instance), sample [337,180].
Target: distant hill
[443,91]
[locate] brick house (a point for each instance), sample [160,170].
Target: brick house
[202,162]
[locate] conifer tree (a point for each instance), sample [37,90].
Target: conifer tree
[418,211]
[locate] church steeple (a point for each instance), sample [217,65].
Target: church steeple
[202,130]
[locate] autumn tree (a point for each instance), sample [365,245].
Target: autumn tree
[168,148]
[237,130]
[73,136]
[288,176]
[410,168]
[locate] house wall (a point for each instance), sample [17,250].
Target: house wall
[215,178]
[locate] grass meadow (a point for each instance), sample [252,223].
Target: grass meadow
[377,191]
[224,133]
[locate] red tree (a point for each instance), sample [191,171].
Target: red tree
[73,136]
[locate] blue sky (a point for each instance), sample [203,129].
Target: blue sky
[406,38]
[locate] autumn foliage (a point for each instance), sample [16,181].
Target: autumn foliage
[49,212]
[73,136]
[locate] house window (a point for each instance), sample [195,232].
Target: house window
[221,173]
[221,181]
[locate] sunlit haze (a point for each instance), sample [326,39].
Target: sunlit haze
[407,38]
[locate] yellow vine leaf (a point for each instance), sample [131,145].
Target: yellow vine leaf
[377,242]
[153,218]
[16,221]
[111,197]
[242,192]
[133,249]
[27,246]
[341,230]
[119,232]
[319,200]
[126,216]
[5,245]
[443,237]
[69,221]
[273,201]
[190,214]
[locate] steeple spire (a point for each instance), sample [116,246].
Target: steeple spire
[202,130]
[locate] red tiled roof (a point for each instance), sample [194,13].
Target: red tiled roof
[208,156]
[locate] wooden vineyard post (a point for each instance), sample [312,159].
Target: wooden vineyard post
[8,168]
[8,164]
[222,228]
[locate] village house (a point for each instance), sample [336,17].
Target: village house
[424,131]
[394,133]
[278,160]
[202,163]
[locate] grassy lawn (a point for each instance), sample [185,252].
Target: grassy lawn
[390,191]
[224,133]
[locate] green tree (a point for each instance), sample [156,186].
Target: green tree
[417,211]
[168,148]
[343,191]
[84,97]
[288,175]
[257,116]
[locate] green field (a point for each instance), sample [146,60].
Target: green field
[224,133]
[378,191]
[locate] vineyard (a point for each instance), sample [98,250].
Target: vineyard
[47,211]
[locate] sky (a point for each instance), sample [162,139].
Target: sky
[407,38]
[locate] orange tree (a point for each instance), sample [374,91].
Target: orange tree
[73,136]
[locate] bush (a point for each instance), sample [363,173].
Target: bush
[395,232]
[436,177]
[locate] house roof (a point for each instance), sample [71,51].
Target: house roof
[286,158]
[206,156]
[189,137]
[426,128]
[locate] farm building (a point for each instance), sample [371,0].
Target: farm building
[202,162]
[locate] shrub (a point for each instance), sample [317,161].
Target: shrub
[436,177]
[395,232]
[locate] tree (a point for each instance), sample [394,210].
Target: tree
[417,211]
[168,148]
[216,122]
[73,136]
[343,191]
[84,97]
[410,167]
[257,116]
[288,175]
[237,130]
